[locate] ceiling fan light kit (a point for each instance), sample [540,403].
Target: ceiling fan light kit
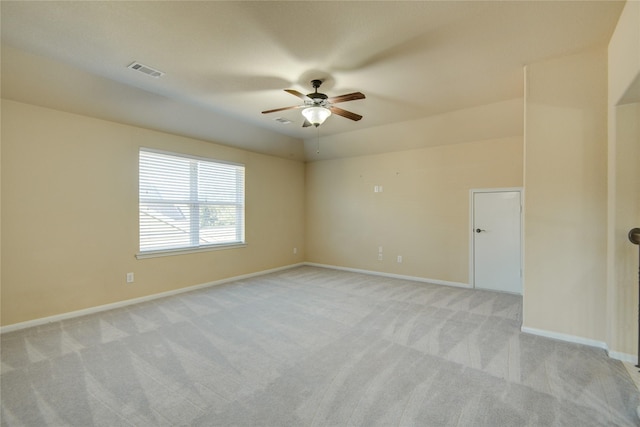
[318,106]
[316,115]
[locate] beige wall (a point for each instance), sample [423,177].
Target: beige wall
[566,195]
[422,213]
[491,121]
[624,182]
[69,214]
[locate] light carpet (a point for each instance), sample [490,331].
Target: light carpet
[310,347]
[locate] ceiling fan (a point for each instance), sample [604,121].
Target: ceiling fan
[318,106]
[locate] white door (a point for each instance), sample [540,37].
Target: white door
[497,241]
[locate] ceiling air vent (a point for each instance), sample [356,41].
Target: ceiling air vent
[282,120]
[146,70]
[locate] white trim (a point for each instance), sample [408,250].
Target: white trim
[623,357]
[472,192]
[125,303]
[392,275]
[189,156]
[566,337]
[189,250]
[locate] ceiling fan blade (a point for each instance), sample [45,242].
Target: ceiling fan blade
[306,123]
[345,113]
[296,93]
[282,109]
[348,97]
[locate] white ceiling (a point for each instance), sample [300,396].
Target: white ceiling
[225,62]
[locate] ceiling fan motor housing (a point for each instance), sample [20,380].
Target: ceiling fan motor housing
[317,97]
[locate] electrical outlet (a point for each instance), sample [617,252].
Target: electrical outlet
[399,259]
[129,277]
[295,251]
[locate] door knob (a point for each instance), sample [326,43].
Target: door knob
[479,230]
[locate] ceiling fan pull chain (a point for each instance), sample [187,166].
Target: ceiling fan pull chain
[318,139]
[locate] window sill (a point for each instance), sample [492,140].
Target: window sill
[184,251]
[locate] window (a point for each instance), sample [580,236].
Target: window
[189,202]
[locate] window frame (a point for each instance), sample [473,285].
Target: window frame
[195,205]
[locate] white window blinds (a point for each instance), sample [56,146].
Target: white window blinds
[189,202]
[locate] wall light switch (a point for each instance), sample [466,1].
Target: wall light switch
[129,277]
[399,259]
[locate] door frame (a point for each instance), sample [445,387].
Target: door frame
[472,192]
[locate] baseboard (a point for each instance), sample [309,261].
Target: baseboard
[119,304]
[391,275]
[566,337]
[624,357]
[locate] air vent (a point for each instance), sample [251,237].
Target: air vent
[282,120]
[146,70]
